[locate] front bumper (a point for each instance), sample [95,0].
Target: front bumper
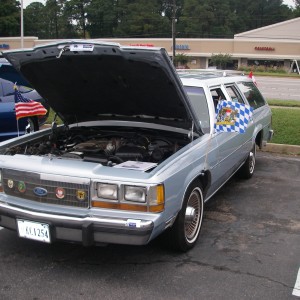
[89,230]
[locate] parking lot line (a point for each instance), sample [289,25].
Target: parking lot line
[296,290]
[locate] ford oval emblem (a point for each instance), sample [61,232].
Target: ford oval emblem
[39,191]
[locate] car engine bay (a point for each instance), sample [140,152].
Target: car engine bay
[106,146]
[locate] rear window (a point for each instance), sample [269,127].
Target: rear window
[252,94]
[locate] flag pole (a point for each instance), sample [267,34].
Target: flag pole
[15,88]
[22,26]
[18,127]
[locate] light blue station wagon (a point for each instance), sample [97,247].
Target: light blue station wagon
[137,155]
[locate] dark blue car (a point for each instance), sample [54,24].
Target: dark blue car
[8,123]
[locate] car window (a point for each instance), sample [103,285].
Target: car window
[217,95]
[199,102]
[234,94]
[8,72]
[252,94]
[8,88]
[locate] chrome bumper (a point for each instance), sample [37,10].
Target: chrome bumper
[89,230]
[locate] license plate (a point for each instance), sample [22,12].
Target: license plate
[34,231]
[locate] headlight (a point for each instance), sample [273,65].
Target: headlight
[135,193]
[107,191]
[149,198]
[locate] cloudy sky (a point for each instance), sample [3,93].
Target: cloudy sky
[27,2]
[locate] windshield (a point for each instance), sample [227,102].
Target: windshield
[199,103]
[8,72]
[7,88]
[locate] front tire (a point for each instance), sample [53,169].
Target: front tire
[184,233]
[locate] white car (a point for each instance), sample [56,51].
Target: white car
[138,154]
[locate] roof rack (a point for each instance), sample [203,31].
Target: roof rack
[207,73]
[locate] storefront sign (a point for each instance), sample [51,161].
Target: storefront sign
[4,46]
[264,48]
[182,47]
[142,45]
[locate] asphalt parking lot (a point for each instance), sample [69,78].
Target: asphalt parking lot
[249,248]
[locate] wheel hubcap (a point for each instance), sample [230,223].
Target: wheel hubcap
[190,214]
[193,216]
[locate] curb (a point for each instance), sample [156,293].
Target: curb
[282,148]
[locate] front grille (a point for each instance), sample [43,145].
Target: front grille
[45,188]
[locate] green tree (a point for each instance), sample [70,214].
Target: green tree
[296,11]
[181,60]
[68,25]
[53,13]
[254,14]
[196,19]
[76,10]
[101,18]
[142,18]
[35,23]
[221,60]
[9,18]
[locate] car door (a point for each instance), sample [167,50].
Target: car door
[233,147]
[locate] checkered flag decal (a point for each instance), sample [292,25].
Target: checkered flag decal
[232,116]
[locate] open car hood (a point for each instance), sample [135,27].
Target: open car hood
[88,81]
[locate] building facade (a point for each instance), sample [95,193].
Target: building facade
[276,45]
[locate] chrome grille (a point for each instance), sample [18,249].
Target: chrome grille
[44,188]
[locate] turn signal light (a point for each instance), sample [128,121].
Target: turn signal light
[121,206]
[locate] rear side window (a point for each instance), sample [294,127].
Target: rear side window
[199,103]
[217,95]
[234,94]
[252,94]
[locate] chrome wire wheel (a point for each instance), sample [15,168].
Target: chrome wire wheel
[193,215]
[185,231]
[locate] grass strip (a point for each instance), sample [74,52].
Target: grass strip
[286,125]
[285,103]
[284,75]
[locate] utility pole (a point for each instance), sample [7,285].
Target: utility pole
[22,26]
[174,11]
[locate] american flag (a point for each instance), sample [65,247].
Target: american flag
[27,108]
